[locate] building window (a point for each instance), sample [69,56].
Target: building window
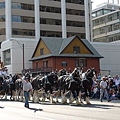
[76,62]
[81,62]
[64,64]
[2,5]
[45,63]
[37,65]
[7,57]
[24,32]
[42,51]
[50,34]
[2,18]
[76,49]
[2,31]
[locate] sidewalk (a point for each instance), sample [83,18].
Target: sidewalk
[113,101]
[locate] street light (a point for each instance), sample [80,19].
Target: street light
[22,47]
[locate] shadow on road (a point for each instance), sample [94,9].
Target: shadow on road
[101,106]
[1,107]
[93,105]
[35,109]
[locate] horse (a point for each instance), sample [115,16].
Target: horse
[87,81]
[71,83]
[12,80]
[4,87]
[18,90]
[50,84]
[37,88]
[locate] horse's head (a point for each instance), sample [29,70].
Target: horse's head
[90,73]
[76,72]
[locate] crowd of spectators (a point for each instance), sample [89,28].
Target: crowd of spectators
[106,87]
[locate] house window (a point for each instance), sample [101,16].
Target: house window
[42,51]
[36,64]
[80,63]
[64,64]
[45,63]
[76,49]
[76,62]
[83,63]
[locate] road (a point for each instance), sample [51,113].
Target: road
[10,110]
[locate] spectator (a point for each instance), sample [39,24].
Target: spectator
[99,76]
[103,89]
[117,81]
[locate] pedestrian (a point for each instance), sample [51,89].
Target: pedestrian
[27,88]
[103,89]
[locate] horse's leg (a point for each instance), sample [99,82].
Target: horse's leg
[78,102]
[64,99]
[15,95]
[21,95]
[71,98]
[57,95]
[35,96]
[10,94]
[51,95]
[5,96]
[87,96]
[80,97]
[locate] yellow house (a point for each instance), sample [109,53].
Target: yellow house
[57,53]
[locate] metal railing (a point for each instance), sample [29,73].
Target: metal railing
[38,70]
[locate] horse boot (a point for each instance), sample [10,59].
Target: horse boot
[71,100]
[87,101]
[36,100]
[5,96]
[57,99]
[43,97]
[21,99]
[64,100]
[51,99]
[80,99]
[77,102]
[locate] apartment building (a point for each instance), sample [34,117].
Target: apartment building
[28,20]
[52,18]
[106,23]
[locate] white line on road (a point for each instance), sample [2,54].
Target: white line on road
[44,118]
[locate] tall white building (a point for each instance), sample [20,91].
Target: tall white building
[106,23]
[24,21]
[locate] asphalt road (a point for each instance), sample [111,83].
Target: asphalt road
[10,110]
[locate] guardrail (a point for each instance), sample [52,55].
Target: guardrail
[38,70]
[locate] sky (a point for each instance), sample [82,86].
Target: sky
[96,2]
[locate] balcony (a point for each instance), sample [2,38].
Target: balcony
[38,70]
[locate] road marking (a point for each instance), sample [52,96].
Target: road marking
[44,118]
